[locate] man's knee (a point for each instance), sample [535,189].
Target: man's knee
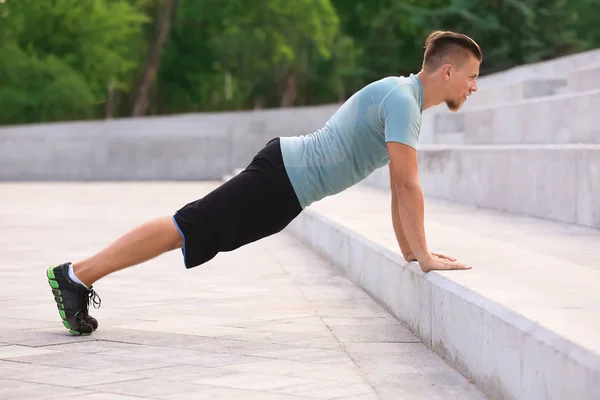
[175,236]
[177,243]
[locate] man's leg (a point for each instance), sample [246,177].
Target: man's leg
[143,243]
[72,284]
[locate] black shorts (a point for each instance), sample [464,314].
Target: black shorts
[256,203]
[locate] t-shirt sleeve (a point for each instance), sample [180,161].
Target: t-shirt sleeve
[402,118]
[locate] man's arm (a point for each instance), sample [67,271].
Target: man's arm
[408,195]
[401,115]
[397,223]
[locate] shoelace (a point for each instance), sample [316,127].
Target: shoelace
[94,298]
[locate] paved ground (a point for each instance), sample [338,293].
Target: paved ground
[269,321]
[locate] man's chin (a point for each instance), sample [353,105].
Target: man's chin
[453,106]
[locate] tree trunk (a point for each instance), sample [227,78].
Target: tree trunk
[341,94]
[289,94]
[258,102]
[142,93]
[110,97]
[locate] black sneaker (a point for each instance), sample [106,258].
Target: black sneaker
[72,300]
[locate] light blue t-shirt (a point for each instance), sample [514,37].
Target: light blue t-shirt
[352,144]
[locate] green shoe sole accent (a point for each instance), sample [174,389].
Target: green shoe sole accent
[60,306]
[58,299]
[56,292]
[73,331]
[53,284]
[50,273]
[63,315]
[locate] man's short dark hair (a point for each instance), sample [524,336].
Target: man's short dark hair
[443,47]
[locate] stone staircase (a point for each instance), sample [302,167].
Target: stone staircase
[522,324]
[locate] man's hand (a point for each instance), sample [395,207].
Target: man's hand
[411,257]
[441,262]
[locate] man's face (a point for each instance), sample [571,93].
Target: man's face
[461,82]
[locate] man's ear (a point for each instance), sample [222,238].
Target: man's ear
[446,71]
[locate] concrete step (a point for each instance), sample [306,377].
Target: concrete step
[565,118]
[556,182]
[516,91]
[522,324]
[456,138]
[560,76]
[584,79]
[554,68]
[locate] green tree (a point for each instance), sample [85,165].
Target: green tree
[511,32]
[240,54]
[73,59]
[583,21]
[62,56]
[391,33]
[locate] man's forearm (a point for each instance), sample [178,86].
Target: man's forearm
[411,211]
[398,230]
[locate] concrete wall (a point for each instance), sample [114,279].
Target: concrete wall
[568,118]
[515,91]
[557,68]
[440,125]
[571,74]
[584,80]
[560,183]
[193,146]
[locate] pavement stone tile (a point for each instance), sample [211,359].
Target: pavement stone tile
[373,333]
[348,373]
[224,393]
[254,381]
[143,387]
[18,390]
[94,362]
[370,396]
[16,351]
[34,338]
[328,390]
[313,355]
[417,386]
[113,396]
[269,366]
[59,376]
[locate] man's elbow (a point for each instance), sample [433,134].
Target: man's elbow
[404,187]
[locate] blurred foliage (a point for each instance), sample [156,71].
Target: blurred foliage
[64,59]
